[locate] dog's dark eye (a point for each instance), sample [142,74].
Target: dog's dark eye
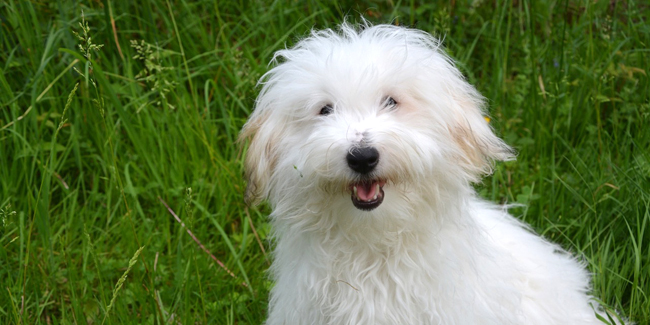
[326,110]
[390,103]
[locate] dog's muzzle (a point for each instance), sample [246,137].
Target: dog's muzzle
[366,194]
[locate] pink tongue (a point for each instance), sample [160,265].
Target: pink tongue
[366,191]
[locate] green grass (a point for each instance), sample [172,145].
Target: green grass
[566,81]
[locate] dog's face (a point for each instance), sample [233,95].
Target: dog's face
[363,115]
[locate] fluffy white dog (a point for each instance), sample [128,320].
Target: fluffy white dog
[366,142]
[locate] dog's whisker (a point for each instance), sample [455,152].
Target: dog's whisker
[351,286]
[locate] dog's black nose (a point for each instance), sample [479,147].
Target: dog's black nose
[363,160]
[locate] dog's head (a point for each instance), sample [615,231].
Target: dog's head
[356,112]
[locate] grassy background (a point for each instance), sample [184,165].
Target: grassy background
[83,188]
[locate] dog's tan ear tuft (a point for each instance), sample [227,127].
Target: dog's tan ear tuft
[476,139]
[261,157]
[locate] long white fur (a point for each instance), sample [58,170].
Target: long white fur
[432,252]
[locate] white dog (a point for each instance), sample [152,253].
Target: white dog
[366,142]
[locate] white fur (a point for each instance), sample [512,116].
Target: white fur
[432,252]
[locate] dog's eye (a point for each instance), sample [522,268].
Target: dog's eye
[326,110]
[390,103]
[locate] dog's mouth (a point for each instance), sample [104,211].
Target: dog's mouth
[367,195]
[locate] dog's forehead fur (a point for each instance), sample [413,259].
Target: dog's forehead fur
[361,66]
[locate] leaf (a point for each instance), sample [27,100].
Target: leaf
[44,146]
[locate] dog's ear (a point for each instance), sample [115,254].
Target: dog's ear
[478,144]
[261,158]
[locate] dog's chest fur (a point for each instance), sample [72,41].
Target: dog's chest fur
[478,267]
[432,271]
